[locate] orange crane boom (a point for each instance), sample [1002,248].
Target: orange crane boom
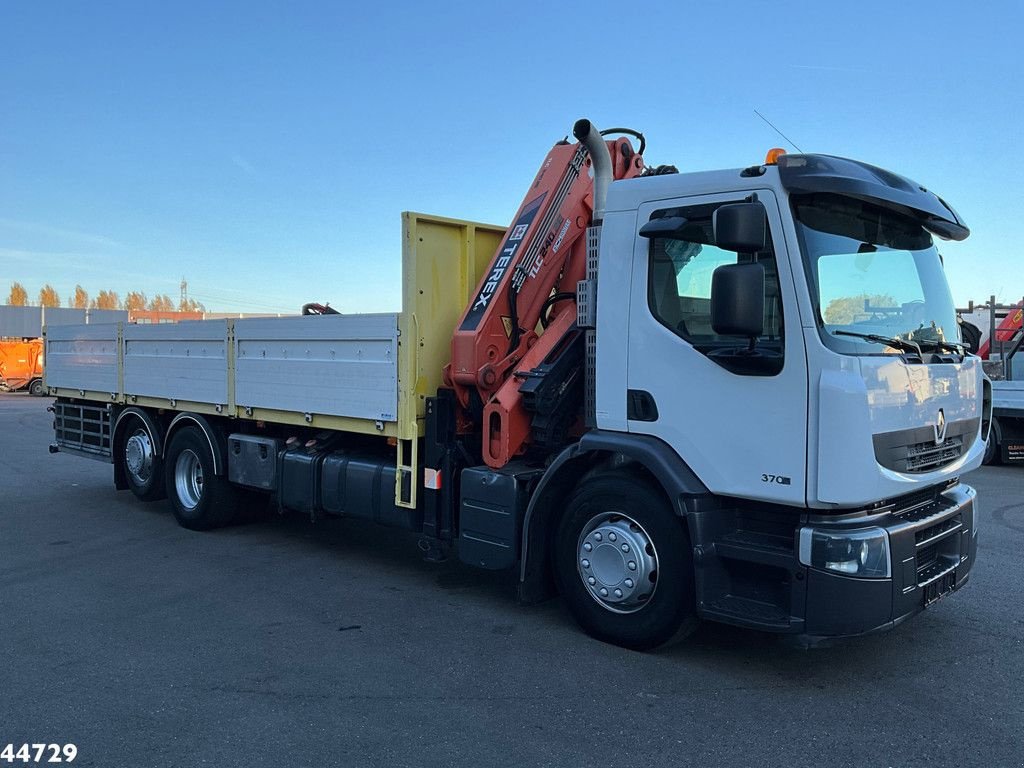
[535,270]
[1005,331]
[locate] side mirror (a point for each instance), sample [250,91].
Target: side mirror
[670,226]
[741,227]
[737,300]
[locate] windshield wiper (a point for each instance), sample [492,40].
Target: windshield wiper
[958,349]
[904,344]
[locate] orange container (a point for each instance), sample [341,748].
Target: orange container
[21,365]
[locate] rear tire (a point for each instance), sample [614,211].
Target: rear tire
[35,388]
[624,563]
[142,467]
[199,499]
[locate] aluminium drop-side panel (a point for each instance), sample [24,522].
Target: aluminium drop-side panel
[82,357]
[334,365]
[1008,396]
[177,361]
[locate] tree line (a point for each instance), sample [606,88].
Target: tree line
[134,301]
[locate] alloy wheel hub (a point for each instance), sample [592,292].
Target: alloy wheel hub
[188,479]
[139,456]
[617,562]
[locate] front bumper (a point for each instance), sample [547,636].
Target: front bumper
[756,579]
[932,549]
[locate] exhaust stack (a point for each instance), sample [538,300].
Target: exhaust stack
[586,133]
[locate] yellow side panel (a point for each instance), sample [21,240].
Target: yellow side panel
[442,262]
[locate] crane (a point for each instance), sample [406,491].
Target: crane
[516,361]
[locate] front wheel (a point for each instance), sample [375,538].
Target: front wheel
[200,499]
[36,388]
[624,564]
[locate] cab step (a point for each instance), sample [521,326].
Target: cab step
[761,548]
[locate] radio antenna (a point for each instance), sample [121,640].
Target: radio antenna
[778,131]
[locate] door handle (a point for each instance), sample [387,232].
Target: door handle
[640,406]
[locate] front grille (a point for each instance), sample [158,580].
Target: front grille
[914,450]
[926,456]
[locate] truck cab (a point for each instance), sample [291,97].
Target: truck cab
[821,455]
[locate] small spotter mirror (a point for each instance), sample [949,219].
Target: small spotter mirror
[741,227]
[669,226]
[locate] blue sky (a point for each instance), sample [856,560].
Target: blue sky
[266,150]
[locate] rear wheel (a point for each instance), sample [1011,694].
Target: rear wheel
[142,467]
[36,389]
[624,564]
[199,498]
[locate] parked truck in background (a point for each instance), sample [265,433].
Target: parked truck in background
[999,331]
[21,365]
[647,393]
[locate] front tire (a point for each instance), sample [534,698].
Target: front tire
[35,388]
[200,499]
[624,564]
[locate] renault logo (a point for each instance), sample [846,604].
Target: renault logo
[940,428]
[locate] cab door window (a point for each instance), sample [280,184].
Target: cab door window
[679,293]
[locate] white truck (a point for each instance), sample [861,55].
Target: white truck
[668,396]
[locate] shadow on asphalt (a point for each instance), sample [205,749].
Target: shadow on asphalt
[393,552]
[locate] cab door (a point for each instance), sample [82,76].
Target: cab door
[736,416]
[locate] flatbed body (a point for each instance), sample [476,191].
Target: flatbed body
[1008,398]
[365,373]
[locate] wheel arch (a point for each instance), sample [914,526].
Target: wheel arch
[596,449]
[213,436]
[153,428]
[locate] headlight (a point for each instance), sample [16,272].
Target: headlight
[863,553]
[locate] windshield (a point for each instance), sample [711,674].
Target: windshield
[873,272]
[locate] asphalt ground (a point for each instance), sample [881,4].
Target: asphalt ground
[289,644]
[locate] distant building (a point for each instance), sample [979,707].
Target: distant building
[28,322]
[148,316]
